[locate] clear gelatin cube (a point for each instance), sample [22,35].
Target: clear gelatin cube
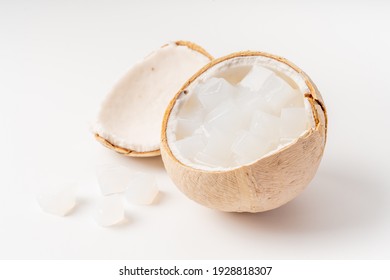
[296,100]
[190,106]
[278,93]
[255,78]
[57,201]
[190,146]
[265,125]
[214,91]
[112,178]
[217,149]
[294,122]
[110,211]
[248,146]
[225,117]
[244,96]
[186,127]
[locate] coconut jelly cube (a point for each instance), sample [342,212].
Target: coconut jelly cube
[112,178]
[217,150]
[225,117]
[142,189]
[248,147]
[293,122]
[190,106]
[244,96]
[253,101]
[189,146]
[255,78]
[57,200]
[186,127]
[296,100]
[266,125]
[238,123]
[278,93]
[213,91]
[110,210]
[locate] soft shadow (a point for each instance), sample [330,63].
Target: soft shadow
[149,163]
[160,197]
[146,163]
[123,224]
[80,206]
[340,197]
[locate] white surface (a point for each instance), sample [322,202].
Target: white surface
[59,60]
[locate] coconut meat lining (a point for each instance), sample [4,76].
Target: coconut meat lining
[131,115]
[237,112]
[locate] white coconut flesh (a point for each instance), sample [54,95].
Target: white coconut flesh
[237,112]
[131,115]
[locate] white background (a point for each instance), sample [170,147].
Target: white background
[58,59]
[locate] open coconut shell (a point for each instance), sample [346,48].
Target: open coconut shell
[129,121]
[270,181]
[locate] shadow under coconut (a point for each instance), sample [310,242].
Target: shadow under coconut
[339,198]
[151,163]
[143,163]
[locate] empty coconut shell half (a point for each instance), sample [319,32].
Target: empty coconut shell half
[246,133]
[130,117]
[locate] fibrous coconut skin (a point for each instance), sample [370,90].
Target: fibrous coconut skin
[270,181]
[130,118]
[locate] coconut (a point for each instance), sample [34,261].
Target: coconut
[129,121]
[246,133]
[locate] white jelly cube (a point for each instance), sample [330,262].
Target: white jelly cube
[186,127]
[142,189]
[244,96]
[213,91]
[296,100]
[190,106]
[220,110]
[218,143]
[255,78]
[265,125]
[294,122]
[189,146]
[57,201]
[110,211]
[256,102]
[112,179]
[224,125]
[225,117]
[250,147]
[208,160]
[217,149]
[278,93]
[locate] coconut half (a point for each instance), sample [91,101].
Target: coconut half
[130,117]
[244,134]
